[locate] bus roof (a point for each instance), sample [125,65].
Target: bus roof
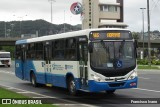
[64,35]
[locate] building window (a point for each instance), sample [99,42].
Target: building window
[108,8]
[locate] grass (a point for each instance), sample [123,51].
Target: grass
[148,67]
[9,94]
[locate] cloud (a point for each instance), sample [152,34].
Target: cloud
[133,14]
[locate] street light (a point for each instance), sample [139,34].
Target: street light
[21,18]
[51,1]
[143,27]
[12,26]
[149,42]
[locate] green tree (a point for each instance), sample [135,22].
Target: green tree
[0,48]
[135,35]
[10,49]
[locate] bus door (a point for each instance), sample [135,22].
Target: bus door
[21,65]
[83,50]
[47,62]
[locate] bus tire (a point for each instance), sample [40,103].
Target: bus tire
[110,91]
[33,80]
[71,86]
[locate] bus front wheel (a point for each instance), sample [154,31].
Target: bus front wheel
[33,80]
[72,86]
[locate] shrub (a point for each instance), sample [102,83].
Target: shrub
[142,62]
[145,62]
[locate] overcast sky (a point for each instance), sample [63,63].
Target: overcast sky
[11,10]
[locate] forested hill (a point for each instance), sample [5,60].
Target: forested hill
[16,28]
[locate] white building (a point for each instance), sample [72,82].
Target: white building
[102,13]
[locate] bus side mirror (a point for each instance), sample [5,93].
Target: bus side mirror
[90,47]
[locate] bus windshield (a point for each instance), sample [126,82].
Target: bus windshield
[4,55]
[113,55]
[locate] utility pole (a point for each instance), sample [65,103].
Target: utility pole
[143,27]
[5,29]
[51,1]
[149,42]
[64,23]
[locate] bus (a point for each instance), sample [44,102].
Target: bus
[5,59]
[91,60]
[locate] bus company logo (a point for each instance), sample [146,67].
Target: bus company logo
[6,101]
[68,67]
[57,67]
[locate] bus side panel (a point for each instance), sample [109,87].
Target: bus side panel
[37,68]
[59,80]
[59,70]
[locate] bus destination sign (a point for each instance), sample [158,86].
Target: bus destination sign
[113,35]
[101,35]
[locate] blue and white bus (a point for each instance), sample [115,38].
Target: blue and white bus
[90,60]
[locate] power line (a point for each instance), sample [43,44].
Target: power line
[155,4]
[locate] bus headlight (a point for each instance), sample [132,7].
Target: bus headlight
[133,75]
[96,78]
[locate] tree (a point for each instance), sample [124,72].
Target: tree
[135,35]
[0,48]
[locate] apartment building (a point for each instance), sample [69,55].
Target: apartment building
[102,13]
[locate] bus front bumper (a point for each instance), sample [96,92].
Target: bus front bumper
[103,86]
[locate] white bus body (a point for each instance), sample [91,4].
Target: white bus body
[5,59]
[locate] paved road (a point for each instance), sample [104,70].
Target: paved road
[148,87]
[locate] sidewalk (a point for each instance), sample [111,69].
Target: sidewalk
[148,70]
[157,68]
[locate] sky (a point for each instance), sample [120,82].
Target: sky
[16,10]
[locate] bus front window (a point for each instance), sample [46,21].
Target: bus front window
[106,54]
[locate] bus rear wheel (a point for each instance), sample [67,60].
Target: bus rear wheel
[33,80]
[72,86]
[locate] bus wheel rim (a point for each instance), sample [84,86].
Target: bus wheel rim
[72,86]
[33,82]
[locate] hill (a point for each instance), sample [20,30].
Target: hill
[17,28]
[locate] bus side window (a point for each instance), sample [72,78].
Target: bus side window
[70,53]
[31,53]
[39,51]
[18,52]
[59,49]
[53,49]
